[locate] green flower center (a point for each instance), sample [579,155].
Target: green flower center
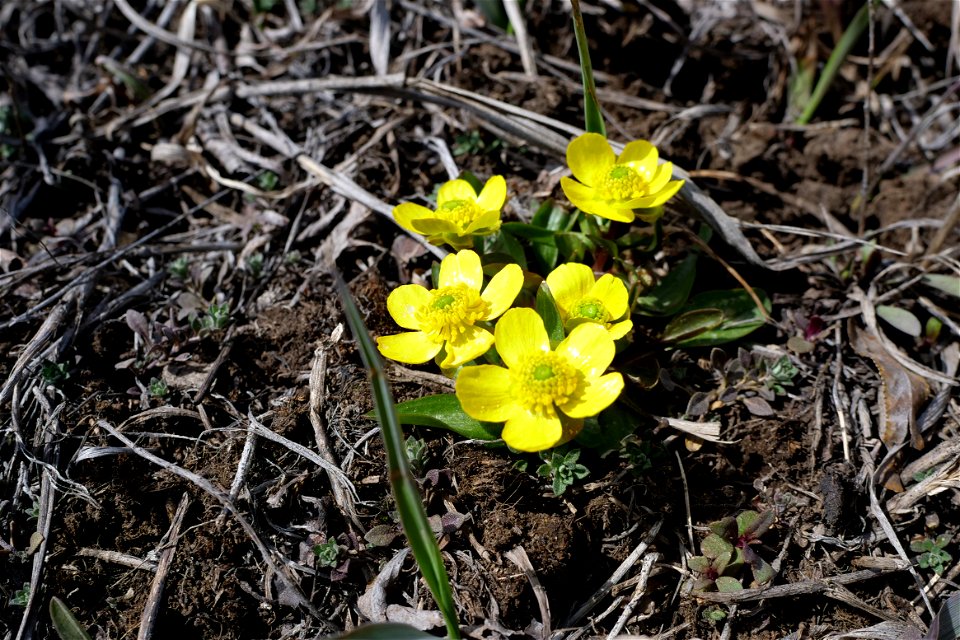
[546,379]
[623,182]
[590,309]
[450,311]
[459,212]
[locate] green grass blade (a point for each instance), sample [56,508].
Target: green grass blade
[592,118]
[847,40]
[413,518]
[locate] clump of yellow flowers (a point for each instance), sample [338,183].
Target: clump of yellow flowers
[510,368]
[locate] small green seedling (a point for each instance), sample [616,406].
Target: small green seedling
[267,181]
[179,268]
[328,553]
[932,555]
[54,373]
[157,388]
[21,596]
[216,318]
[416,452]
[255,265]
[562,469]
[713,615]
[727,548]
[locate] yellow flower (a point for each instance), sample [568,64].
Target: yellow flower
[537,381]
[460,215]
[581,298]
[447,317]
[611,186]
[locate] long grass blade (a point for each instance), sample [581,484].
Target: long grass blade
[413,518]
[592,118]
[847,40]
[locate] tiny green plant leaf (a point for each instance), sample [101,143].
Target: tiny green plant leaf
[64,623]
[690,324]
[932,553]
[562,469]
[947,284]
[328,553]
[726,584]
[900,319]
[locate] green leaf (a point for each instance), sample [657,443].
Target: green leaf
[700,564]
[406,493]
[604,432]
[753,525]
[847,40]
[950,285]
[726,528]
[726,584]
[386,631]
[64,623]
[740,316]
[900,319]
[762,571]
[505,245]
[474,181]
[713,545]
[543,242]
[672,292]
[546,307]
[690,324]
[550,216]
[443,411]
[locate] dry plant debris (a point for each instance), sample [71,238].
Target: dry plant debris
[184,451]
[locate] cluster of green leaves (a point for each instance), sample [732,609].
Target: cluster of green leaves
[750,379]
[932,554]
[727,548]
[562,469]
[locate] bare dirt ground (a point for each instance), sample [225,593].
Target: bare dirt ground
[179,179]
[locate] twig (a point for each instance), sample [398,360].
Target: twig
[518,556]
[617,576]
[645,568]
[152,607]
[794,589]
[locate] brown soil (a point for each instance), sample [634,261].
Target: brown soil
[131,352]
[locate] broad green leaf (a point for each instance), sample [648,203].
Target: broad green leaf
[64,623]
[672,292]
[946,624]
[900,319]
[950,285]
[406,492]
[543,242]
[505,248]
[753,524]
[387,631]
[762,571]
[713,545]
[740,316]
[700,564]
[443,411]
[604,432]
[547,309]
[550,216]
[691,324]
[726,528]
[726,584]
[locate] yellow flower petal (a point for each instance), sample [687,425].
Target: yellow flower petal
[407,212]
[588,347]
[502,290]
[528,431]
[641,156]
[519,333]
[620,329]
[472,343]
[433,226]
[597,395]
[486,393]
[657,199]
[611,291]
[403,303]
[569,283]
[660,177]
[493,195]
[455,190]
[485,224]
[462,267]
[590,157]
[585,199]
[411,348]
